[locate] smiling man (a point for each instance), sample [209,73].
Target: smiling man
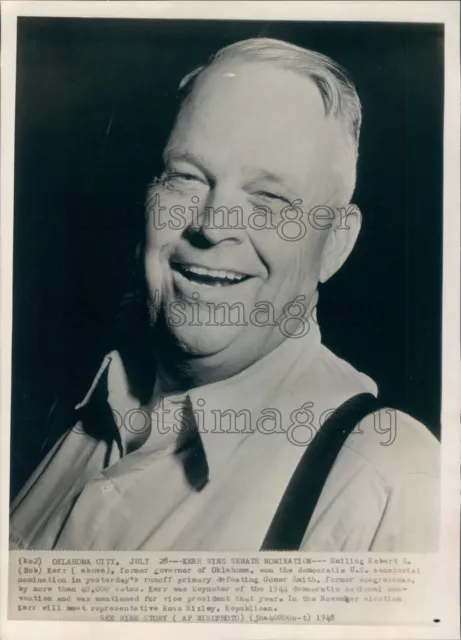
[240,430]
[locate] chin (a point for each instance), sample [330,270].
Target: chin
[203,341]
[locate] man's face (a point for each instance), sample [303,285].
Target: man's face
[250,135]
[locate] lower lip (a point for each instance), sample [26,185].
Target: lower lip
[188,287]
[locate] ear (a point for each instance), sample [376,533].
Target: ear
[340,241]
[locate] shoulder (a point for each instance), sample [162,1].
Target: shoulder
[336,374]
[395,445]
[389,441]
[326,382]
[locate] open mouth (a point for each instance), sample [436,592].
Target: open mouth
[209,277]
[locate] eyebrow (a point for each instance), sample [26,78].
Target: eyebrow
[268,176]
[263,174]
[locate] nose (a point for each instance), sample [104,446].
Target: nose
[219,220]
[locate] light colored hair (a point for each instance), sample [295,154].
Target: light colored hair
[337,90]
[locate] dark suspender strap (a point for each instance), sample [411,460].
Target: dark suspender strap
[295,510]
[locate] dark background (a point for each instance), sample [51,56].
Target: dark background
[95,99]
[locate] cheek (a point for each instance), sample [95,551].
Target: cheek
[159,243]
[169,212]
[160,231]
[290,262]
[310,254]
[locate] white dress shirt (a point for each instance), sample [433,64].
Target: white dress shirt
[136,492]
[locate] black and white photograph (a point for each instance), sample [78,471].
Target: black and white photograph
[227,285]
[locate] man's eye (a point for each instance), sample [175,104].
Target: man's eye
[269,195]
[180,175]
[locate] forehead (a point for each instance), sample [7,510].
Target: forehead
[246,113]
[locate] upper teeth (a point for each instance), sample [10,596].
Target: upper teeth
[214,273]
